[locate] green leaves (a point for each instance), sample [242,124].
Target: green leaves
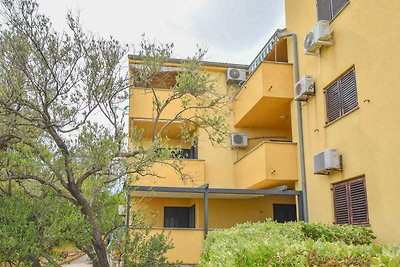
[33,227]
[139,246]
[296,244]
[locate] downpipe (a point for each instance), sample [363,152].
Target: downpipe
[299,123]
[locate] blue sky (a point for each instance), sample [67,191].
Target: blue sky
[233,30]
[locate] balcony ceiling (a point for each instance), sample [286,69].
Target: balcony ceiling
[268,113]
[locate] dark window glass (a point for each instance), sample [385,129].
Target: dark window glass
[284,213]
[328,9]
[184,153]
[179,217]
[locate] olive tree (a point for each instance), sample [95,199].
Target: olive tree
[62,128]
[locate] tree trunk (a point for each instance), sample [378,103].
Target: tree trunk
[97,240]
[35,262]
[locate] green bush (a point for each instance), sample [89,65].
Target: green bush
[349,234]
[295,244]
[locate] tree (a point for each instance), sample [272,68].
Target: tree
[52,84]
[32,227]
[53,89]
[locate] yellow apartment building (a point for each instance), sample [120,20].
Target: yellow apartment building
[314,131]
[228,185]
[355,110]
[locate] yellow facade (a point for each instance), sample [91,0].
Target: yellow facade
[269,160]
[224,212]
[364,36]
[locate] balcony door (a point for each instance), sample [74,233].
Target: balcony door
[285,213]
[179,217]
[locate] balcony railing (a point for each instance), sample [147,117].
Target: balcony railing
[142,104]
[165,175]
[180,238]
[269,164]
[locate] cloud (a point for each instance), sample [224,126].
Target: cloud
[233,25]
[234,30]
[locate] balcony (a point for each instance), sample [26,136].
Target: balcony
[141,104]
[269,164]
[142,113]
[167,176]
[187,253]
[264,100]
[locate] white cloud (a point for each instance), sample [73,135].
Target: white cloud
[233,30]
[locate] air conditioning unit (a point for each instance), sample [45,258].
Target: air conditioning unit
[321,35]
[238,140]
[327,161]
[304,88]
[235,76]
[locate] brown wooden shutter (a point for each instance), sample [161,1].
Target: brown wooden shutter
[337,6]
[341,96]
[333,104]
[341,203]
[358,201]
[323,9]
[348,89]
[350,202]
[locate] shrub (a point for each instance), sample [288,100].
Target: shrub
[350,234]
[295,244]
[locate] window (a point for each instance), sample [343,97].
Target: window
[179,217]
[350,202]
[182,153]
[341,96]
[188,153]
[284,213]
[328,9]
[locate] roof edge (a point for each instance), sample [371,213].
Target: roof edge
[205,63]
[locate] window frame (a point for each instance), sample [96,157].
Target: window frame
[349,203]
[339,83]
[332,17]
[191,216]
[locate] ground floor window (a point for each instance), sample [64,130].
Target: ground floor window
[179,217]
[284,212]
[350,202]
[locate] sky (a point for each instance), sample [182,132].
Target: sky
[234,31]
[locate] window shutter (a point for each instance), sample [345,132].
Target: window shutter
[333,105]
[337,6]
[341,96]
[323,9]
[341,204]
[349,91]
[358,201]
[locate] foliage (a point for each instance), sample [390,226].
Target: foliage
[295,244]
[28,230]
[348,234]
[61,125]
[138,246]
[203,106]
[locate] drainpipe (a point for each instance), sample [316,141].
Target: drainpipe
[299,123]
[205,210]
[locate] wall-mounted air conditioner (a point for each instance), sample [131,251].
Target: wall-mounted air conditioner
[327,161]
[304,88]
[238,140]
[235,76]
[321,35]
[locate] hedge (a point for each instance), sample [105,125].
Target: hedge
[295,244]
